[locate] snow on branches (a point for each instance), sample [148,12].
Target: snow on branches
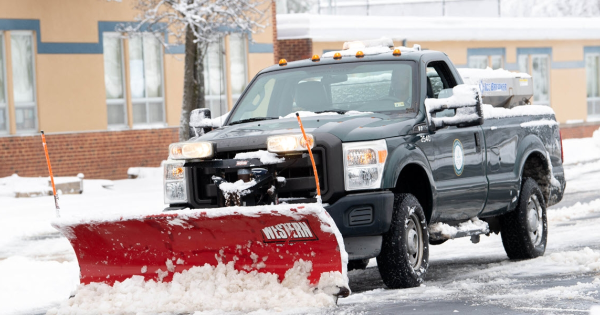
[208,19]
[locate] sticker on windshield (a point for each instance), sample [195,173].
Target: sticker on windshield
[399,104]
[459,157]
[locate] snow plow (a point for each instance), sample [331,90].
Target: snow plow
[265,239]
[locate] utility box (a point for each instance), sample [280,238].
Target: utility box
[500,88]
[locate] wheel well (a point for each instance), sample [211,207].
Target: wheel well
[413,180]
[536,167]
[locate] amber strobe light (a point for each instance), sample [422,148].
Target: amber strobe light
[397,52]
[337,56]
[360,54]
[282,62]
[312,159]
[315,58]
[51,176]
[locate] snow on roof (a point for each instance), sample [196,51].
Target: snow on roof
[326,28]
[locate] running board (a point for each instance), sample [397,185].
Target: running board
[473,227]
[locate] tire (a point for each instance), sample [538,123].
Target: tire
[360,264]
[404,256]
[524,231]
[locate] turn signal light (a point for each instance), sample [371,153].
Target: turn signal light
[337,56]
[397,52]
[315,58]
[360,54]
[282,62]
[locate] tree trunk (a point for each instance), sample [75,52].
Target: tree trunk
[190,90]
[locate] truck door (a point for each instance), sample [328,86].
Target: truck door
[458,158]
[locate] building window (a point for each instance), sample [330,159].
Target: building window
[592,69]
[215,72]
[3,100]
[538,65]
[237,68]
[484,61]
[113,80]
[146,79]
[23,76]
[215,91]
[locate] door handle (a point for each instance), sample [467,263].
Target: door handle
[477,143]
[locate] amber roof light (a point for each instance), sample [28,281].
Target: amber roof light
[282,62]
[315,58]
[360,54]
[397,52]
[337,56]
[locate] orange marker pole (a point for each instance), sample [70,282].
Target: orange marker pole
[312,159]
[51,176]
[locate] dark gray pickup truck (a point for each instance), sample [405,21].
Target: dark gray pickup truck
[406,156]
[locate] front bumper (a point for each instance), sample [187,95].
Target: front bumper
[363,214]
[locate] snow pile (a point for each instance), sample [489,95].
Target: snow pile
[581,150]
[490,112]
[596,137]
[474,76]
[265,157]
[587,260]
[449,232]
[204,288]
[577,211]
[351,52]
[197,119]
[145,172]
[15,185]
[463,98]
[239,188]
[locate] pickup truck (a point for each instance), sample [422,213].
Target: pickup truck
[406,156]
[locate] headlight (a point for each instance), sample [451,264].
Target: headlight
[289,143]
[175,189]
[191,150]
[363,164]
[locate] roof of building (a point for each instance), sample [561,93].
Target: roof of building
[326,28]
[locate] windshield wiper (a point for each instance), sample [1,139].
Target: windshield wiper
[339,111]
[241,121]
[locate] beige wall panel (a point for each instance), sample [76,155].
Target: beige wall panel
[257,62]
[265,35]
[71,92]
[567,51]
[69,20]
[568,94]
[174,66]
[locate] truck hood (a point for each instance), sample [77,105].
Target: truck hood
[348,128]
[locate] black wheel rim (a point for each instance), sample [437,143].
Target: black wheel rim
[414,240]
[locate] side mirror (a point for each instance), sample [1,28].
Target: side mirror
[200,122]
[467,102]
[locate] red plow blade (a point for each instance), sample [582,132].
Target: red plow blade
[265,239]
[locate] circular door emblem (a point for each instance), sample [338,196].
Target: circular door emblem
[459,157]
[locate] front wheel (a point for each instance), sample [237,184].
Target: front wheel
[525,229]
[404,253]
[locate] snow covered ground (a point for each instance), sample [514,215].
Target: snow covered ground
[38,269]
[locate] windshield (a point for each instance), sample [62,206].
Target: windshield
[366,86]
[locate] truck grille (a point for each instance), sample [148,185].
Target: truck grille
[298,172]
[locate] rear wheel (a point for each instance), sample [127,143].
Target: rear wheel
[404,253]
[525,230]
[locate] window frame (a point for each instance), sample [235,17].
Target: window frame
[34,84]
[236,97]
[110,102]
[222,96]
[529,67]
[147,100]
[4,85]
[596,99]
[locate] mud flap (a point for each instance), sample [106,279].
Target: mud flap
[266,239]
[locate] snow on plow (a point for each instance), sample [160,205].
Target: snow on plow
[266,239]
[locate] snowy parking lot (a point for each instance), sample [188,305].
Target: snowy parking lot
[39,271]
